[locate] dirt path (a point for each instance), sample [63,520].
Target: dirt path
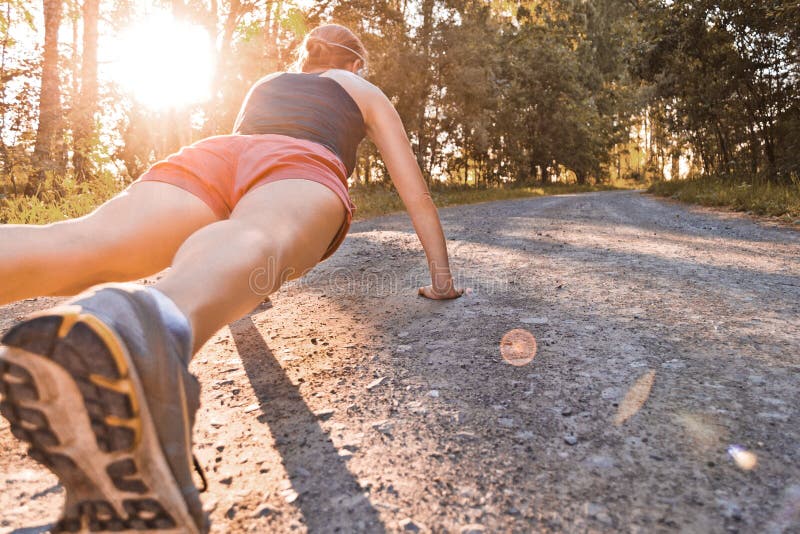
[347,403]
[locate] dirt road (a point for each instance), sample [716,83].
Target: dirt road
[664,395]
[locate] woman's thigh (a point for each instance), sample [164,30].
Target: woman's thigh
[299,218]
[141,228]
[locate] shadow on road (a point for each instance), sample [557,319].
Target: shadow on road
[330,496]
[33,530]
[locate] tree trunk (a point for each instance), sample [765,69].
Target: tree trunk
[215,107]
[769,152]
[723,145]
[84,128]
[4,159]
[675,172]
[48,152]
[276,23]
[425,38]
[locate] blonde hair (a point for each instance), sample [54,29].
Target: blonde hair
[329,46]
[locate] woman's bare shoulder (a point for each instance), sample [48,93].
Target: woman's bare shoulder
[269,77]
[365,94]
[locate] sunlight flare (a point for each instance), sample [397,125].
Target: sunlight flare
[518,347]
[162,63]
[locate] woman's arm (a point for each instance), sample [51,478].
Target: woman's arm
[386,130]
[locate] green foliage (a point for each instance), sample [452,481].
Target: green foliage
[726,80]
[74,200]
[762,198]
[493,94]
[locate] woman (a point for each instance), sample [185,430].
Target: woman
[99,386]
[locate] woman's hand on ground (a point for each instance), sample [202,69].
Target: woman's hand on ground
[451,293]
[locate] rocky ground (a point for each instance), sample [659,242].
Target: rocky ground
[661,395]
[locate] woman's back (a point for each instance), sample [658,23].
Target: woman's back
[306,106]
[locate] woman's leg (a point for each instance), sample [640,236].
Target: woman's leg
[132,235]
[277,232]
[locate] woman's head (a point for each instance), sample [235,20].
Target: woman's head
[330,46]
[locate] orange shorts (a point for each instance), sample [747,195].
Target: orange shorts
[223,168]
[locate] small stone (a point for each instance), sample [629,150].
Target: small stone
[473,528]
[227,481]
[262,512]
[290,496]
[598,512]
[210,505]
[383,426]
[566,411]
[569,439]
[252,408]
[217,423]
[600,461]
[220,383]
[231,513]
[611,393]
[505,422]
[220,446]
[375,383]
[433,393]
[534,320]
[385,506]
[324,415]
[409,525]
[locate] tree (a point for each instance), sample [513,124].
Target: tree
[49,151]
[84,121]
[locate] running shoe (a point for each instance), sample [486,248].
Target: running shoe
[101,392]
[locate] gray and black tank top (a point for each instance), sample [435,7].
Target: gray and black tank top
[305,106]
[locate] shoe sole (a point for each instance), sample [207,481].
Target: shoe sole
[70,390]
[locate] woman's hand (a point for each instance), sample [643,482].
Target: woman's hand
[451,293]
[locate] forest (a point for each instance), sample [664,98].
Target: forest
[494,94]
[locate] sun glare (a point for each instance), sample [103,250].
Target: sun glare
[162,63]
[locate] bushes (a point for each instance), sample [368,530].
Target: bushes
[73,200]
[760,198]
[371,200]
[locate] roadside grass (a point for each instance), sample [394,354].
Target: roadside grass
[371,200]
[379,199]
[74,200]
[761,199]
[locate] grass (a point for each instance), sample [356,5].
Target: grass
[378,199]
[761,199]
[77,199]
[371,200]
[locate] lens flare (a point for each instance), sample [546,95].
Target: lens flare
[703,431]
[518,347]
[743,458]
[635,398]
